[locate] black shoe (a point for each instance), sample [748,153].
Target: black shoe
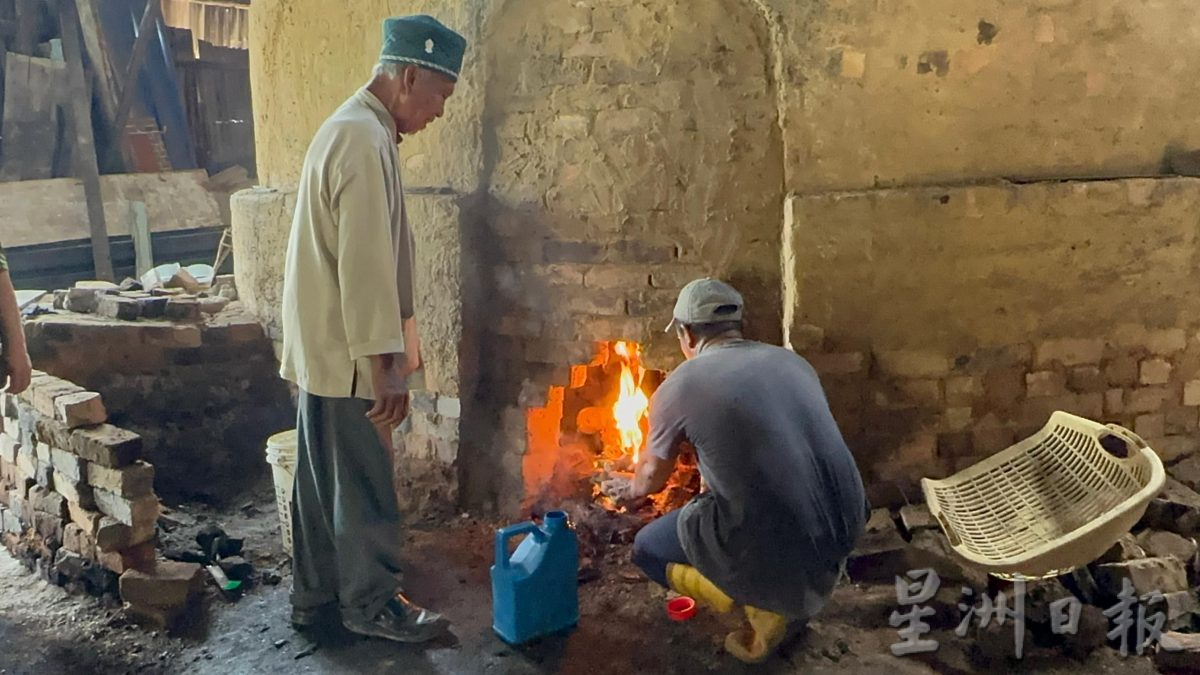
[401,621]
[309,617]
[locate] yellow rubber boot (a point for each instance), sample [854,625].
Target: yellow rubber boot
[687,580]
[759,641]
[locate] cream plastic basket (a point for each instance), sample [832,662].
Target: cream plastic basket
[1049,504]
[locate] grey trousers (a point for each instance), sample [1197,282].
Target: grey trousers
[345,520]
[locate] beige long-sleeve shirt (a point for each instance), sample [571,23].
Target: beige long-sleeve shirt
[348,274]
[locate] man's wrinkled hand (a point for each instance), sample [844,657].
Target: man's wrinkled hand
[391,397]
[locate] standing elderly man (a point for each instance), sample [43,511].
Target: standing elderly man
[784,502]
[350,339]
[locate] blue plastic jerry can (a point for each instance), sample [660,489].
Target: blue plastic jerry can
[535,592]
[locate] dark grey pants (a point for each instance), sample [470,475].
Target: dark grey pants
[345,521]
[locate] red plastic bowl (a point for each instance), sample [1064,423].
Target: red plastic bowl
[681,608]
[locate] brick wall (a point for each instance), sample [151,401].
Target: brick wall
[204,394]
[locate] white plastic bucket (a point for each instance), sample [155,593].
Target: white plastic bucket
[281,455]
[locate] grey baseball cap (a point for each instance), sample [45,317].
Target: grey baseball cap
[706,301]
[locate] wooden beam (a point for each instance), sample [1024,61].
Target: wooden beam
[86,168]
[147,29]
[97,51]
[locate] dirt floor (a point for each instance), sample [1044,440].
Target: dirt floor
[623,628]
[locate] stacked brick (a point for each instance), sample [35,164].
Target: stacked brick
[110,301]
[74,496]
[909,414]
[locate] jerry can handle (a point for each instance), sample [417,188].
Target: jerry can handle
[504,534]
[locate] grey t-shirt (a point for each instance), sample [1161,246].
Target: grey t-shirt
[785,501]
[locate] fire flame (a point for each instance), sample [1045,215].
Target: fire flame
[632,403]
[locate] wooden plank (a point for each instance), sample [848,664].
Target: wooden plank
[34,89]
[29,21]
[147,30]
[85,145]
[139,229]
[97,53]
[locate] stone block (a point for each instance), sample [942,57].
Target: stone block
[18,504]
[572,252]
[1172,448]
[182,309]
[27,465]
[1161,544]
[931,550]
[963,390]
[1175,509]
[449,406]
[1147,399]
[80,409]
[1114,402]
[75,492]
[169,584]
[1165,575]
[1187,472]
[1155,371]
[1182,607]
[136,513]
[106,445]
[1086,380]
[1127,548]
[1191,393]
[838,364]
[8,448]
[117,307]
[140,557]
[68,464]
[44,475]
[48,501]
[1182,420]
[1045,383]
[1070,352]
[913,364]
[130,482]
[989,436]
[1150,426]
[41,452]
[11,522]
[1183,655]
[1121,371]
[1004,388]
[113,535]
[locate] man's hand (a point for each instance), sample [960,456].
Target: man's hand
[412,346]
[18,369]
[391,392]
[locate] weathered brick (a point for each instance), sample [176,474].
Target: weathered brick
[1114,401]
[77,492]
[1191,393]
[1172,448]
[45,394]
[169,584]
[80,409]
[1182,420]
[117,307]
[82,300]
[1147,399]
[42,452]
[19,506]
[183,309]
[106,445]
[48,501]
[963,390]
[838,364]
[598,303]
[624,277]
[515,327]
[44,475]
[1045,383]
[924,393]
[87,519]
[1035,412]
[1122,371]
[1155,371]
[1150,426]
[212,305]
[68,464]
[181,337]
[8,448]
[48,526]
[1086,380]
[1070,352]
[572,251]
[449,406]
[1166,342]
[657,304]
[11,522]
[952,445]
[1165,575]
[913,364]
[152,307]
[113,535]
[135,513]
[77,541]
[139,557]
[135,480]
[958,419]
[27,465]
